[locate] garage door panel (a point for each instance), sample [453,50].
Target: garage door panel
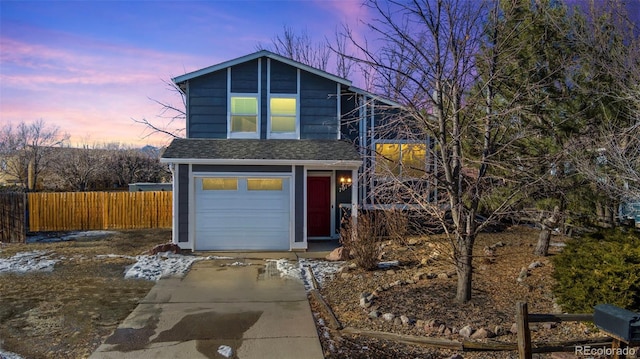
[243,219]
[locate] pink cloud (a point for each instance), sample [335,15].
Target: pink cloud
[90,91]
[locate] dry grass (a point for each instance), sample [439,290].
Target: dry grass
[495,294]
[67,313]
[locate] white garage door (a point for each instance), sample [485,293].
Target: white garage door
[239,213]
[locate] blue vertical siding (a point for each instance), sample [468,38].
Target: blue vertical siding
[318,107]
[208,106]
[244,77]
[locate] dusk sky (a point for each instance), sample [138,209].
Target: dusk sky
[89,67]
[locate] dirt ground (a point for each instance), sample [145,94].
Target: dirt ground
[495,294]
[67,313]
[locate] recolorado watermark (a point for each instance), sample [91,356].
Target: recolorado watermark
[591,352]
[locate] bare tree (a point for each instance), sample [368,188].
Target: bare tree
[79,169]
[300,47]
[171,118]
[427,62]
[25,149]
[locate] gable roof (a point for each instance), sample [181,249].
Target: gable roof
[256,55]
[200,150]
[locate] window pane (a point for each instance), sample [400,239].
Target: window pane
[244,124]
[283,106]
[387,159]
[244,105]
[283,124]
[220,184]
[264,184]
[413,160]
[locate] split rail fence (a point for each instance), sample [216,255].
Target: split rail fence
[72,211]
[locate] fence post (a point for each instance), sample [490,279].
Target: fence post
[524,334]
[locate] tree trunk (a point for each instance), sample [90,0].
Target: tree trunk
[464,268]
[547,224]
[542,248]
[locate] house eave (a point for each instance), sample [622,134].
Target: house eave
[346,164]
[263,53]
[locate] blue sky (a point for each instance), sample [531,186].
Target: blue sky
[89,67]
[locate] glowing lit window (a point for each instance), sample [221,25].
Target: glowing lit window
[264,184]
[283,114]
[400,160]
[220,184]
[244,114]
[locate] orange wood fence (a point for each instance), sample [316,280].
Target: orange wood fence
[69,211]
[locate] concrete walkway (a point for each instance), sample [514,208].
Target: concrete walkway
[246,307]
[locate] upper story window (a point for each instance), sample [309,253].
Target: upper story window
[283,116]
[243,120]
[401,159]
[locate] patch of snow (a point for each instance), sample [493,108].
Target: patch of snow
[238,264]
[9,355]
[24,262]
[114,256]
[219,257]
[161,265]
[225,350]
[46,238]
[322,270]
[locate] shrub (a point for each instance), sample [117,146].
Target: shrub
[603,267]
[361,240]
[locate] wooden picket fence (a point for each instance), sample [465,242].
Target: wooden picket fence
[71,211]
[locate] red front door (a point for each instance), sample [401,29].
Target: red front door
[318,206]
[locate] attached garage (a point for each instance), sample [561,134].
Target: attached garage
[243,213]
[255,195]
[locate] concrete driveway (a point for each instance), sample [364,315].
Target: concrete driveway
[248,308]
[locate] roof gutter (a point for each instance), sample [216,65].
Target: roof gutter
[247,162]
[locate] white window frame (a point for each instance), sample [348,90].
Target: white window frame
[232,134]
[284,135]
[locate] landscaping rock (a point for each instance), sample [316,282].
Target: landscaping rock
[404,320]
[482,333]
[420,324]
[524,273]
[514,329]
[535,265]
[413,241]
[365,303]
[443,276]
[338,254]
[397,321]
[388,316]
[550,325]
[374,314]
[466,331]
[456,356]
[388,264]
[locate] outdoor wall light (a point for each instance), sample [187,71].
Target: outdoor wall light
[345,182]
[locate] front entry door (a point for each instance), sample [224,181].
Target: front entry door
[318,206]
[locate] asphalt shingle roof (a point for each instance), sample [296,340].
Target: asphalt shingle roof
[294,150]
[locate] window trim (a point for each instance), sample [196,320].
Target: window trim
[284,135]
[235,134]
[400,165]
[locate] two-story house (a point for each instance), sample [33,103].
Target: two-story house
[273,153]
